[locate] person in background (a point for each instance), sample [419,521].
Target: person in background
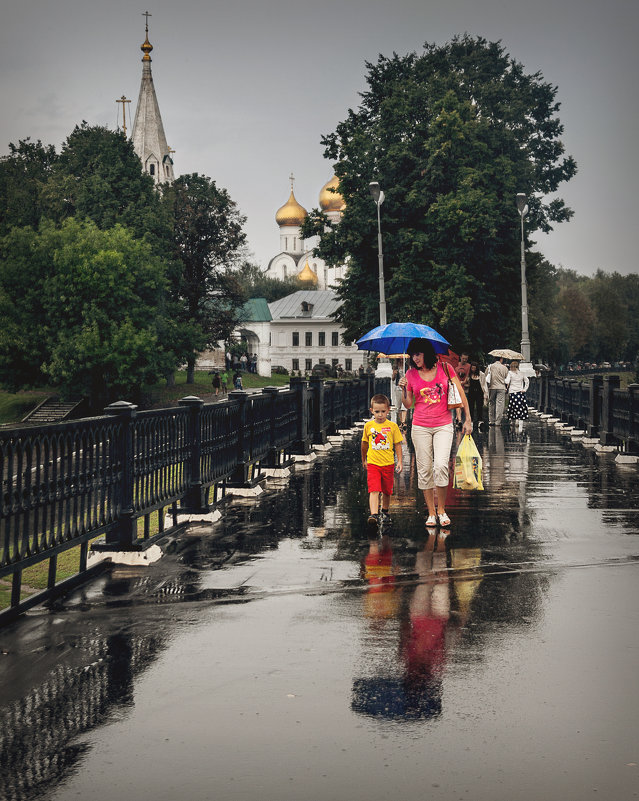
[237,380]
[224,379]
[462,370]
[496,380]
[217,383]
[477,393]
[425,390]
[517,384]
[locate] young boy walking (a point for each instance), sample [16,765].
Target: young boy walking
[381,445]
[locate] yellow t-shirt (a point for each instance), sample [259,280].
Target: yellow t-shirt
[381,438]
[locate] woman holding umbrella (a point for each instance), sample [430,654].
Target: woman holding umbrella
[425,390]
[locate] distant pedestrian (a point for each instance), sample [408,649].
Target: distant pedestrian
[237,380]
[477,393]
[517,384]
[243,361]
[228,360]
[496,380]
[462,370]
[224,379]
[217,383]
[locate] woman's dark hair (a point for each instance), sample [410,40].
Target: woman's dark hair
[473,364]
[425,347]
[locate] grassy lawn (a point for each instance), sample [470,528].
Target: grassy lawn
[159,395]
[36,577]
[15,406]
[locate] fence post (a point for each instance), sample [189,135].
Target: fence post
[544,405]
[194,500]
[124,534]
[318,427]
[633,423]
[272,458]
[610,383]
[240,475]
[302,444]
[594,421]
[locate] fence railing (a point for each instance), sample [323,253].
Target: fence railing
[121,475]
[599,406]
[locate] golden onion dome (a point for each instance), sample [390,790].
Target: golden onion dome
[146,49]
[307,274]
[331,201]
[291,212]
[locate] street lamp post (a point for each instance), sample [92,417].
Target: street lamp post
[378,197]
[522,207]
[384,369]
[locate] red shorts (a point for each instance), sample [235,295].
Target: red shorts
[380,478]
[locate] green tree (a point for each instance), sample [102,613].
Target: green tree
[207,243]
[82,310]
[99,177]
[607,296]
[23,174]
[256,284]
[451,135]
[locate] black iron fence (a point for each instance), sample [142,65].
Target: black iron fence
[121,475]
[599,406]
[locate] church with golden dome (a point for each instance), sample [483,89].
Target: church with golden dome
[296,254]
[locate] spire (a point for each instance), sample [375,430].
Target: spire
[148,136]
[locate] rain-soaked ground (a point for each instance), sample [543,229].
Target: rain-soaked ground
[284,655]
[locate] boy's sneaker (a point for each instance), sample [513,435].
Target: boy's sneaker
[372,520]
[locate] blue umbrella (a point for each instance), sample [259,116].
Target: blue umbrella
[394,338]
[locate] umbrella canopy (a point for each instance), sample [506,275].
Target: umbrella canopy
[451,357]
[394,338]
[506,353]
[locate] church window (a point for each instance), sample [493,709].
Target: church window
[151,169]
[334,362]
[321,339]
[308,339]
[296,339]
[296,364]
[348,365]
[309,365]
[335,339]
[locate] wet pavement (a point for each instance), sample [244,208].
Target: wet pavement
[285,653]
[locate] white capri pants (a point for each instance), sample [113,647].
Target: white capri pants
[432,454]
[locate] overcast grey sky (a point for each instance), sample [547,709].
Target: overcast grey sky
[246,88]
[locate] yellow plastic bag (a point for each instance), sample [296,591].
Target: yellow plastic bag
[468,466]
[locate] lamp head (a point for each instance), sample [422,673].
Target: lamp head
[376,192]
[522,206]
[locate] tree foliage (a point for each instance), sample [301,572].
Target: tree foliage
[256,284]
[23,174]
[207,240]
[452,135]
[81,310]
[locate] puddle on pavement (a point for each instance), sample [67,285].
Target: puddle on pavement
[424,605]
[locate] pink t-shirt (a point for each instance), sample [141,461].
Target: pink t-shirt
[430,407]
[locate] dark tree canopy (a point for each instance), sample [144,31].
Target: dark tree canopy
[452,135]
[23,175]
[207,241]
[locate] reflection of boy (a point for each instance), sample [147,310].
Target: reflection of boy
[381,444]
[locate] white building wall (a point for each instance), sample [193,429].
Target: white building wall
[283,352]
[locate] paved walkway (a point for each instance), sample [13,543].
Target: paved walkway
[284,654]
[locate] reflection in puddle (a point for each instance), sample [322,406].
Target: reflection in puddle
[431,610]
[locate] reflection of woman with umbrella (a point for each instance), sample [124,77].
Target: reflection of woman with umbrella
[425,389]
